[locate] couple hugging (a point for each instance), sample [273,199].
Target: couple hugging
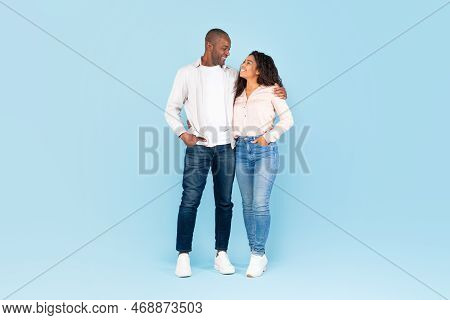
[231,131]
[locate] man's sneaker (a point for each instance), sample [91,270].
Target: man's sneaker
[257,265]
[183,268]
[223,264]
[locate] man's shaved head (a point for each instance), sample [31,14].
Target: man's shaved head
[217,47]
[214,34]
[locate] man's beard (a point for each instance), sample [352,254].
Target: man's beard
[217,61]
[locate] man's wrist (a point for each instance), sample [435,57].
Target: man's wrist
[180,130]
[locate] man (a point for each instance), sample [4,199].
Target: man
[206,89]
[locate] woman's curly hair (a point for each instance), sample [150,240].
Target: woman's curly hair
[268,73]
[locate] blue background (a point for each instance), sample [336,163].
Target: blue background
[377,150]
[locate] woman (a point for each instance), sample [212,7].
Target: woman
[257,159]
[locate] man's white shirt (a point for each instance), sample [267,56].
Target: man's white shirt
[207,94]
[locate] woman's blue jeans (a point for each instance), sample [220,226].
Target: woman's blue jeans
[256,169]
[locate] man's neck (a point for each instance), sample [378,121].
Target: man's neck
[207,61]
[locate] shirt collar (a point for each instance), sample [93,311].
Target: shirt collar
[260,87]
[198,63]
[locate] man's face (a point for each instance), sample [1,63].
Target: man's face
[221,50]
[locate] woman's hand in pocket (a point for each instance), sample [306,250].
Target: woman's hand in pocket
[261,141]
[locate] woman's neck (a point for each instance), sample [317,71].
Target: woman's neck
[251,86]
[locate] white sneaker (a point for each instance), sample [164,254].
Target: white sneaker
[257,265]
[223,264]
[183,268]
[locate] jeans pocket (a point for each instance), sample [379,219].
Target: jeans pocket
[270,145]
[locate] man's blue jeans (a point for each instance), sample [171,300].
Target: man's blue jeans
[256,169]
[197,162]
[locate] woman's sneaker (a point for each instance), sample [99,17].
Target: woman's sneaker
[257,265]
[183,268]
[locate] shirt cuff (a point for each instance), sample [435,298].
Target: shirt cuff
[180,131]
[270,137]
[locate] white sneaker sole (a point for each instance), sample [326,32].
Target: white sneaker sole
[183,275]
[251,276]
[224,273]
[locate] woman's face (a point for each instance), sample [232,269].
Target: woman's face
[248,68]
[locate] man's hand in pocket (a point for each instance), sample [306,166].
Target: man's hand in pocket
[191,140]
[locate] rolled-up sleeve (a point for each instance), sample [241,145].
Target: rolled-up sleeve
[177,98]
[286,121]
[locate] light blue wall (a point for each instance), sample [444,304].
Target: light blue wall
[377,150]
